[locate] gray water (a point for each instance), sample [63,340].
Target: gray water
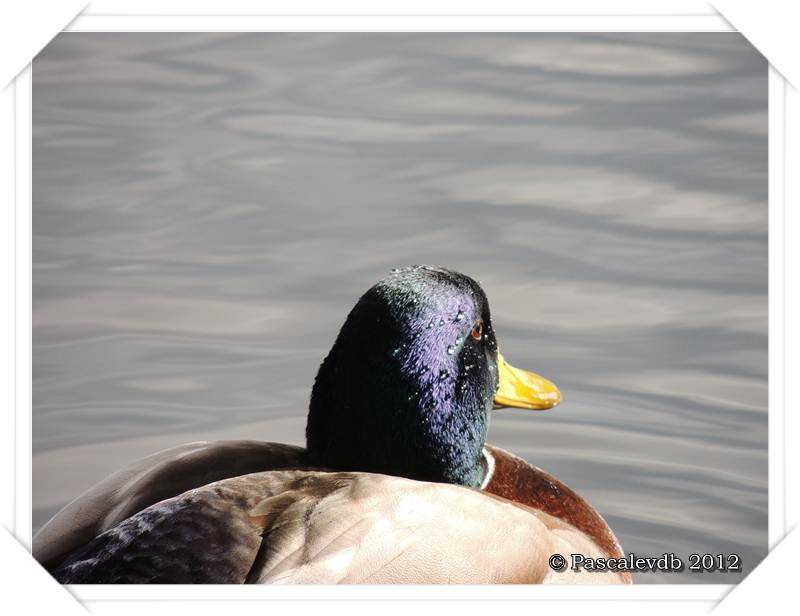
[208,207]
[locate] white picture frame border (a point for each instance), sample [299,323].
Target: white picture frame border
[208,16]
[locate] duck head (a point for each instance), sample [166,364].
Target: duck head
[410,382]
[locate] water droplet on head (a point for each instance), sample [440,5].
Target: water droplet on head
[451,349]
[441,322]
[430,324]
[460,316]
[395,270]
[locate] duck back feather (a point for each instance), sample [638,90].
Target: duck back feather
[321,527]
[199,512]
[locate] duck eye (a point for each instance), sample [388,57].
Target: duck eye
[477,331]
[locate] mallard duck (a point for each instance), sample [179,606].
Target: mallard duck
[396,485]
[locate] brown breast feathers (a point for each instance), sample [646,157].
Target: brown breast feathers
[523,483]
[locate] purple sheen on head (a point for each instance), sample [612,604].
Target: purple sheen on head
[405,390]
[434,351]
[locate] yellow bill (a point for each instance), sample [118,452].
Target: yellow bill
[524,390]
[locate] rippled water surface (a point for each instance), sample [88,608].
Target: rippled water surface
[208,207]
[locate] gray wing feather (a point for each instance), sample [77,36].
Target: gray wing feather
[161,476]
